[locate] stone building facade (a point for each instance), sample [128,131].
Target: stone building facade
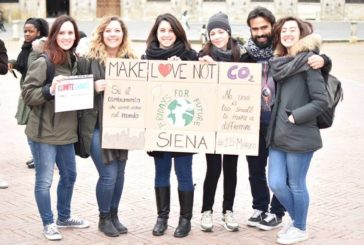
[198,10]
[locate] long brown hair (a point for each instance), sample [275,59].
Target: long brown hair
[176,26]
[98,47]
[279,49]
[55,52]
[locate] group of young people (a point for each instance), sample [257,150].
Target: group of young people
[293,95]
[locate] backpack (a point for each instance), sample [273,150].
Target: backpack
[49,77]
[335,94]
[50,69]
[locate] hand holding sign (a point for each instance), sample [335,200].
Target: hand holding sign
[100,85]
[56,80]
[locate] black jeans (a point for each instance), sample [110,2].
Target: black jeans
[258,178]
[214,163]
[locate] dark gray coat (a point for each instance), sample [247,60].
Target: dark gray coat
[301,93]
[93,117]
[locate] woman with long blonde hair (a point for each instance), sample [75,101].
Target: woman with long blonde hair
[109,40]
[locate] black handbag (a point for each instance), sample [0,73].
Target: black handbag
[80,148]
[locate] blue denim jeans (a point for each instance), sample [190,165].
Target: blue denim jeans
[287,179]
[111,177]
[182,167]
[45,155]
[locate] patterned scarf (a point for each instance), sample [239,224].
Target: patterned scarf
[256,53]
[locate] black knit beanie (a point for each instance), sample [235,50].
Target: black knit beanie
[219,20]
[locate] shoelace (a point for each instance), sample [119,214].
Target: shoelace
[229,217]
[74,221]
[269,217]
[206,217]
[256,213]
[53,229]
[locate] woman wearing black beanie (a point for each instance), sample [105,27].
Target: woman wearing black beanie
[220,47]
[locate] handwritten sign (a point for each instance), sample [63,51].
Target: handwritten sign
[180,112]
[75,93]
[124,115]
[182,106]
[182,71]
[238,108]
[127,69]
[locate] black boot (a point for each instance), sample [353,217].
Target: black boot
[186,205]
[115,220]
[163,196]
[106,225]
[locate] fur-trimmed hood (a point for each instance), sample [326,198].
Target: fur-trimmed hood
[311,42]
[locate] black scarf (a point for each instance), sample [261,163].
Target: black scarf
[258,54]
[154,52]
[22,60]
[221,55]
[286,66]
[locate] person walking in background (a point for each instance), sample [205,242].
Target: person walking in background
[34,29]
[110,40]
[2,27]
[259,47]
[167,41]
[53,135]
[203,35]
[3,58]
[184,20]
[3,71]
[220,47]
[293,135]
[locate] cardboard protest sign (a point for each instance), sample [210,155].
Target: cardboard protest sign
[124,104]
[180,115]
[238,117]
[75,93]
[182,106]
[126,69]
[182,71]
[124,115]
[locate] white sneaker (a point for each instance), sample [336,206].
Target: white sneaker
[285,228]
[51,232]
[206,221]
[293,235]
[3,184]
[229,222]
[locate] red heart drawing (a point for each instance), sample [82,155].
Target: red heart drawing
[164,69]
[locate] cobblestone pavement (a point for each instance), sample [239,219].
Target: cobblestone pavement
[336,214]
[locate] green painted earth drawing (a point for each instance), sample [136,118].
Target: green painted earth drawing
[181,112]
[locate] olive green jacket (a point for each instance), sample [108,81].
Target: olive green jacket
[50,127]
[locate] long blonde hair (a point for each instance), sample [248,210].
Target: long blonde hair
[98,47]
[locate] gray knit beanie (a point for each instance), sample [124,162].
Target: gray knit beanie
[219,20]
